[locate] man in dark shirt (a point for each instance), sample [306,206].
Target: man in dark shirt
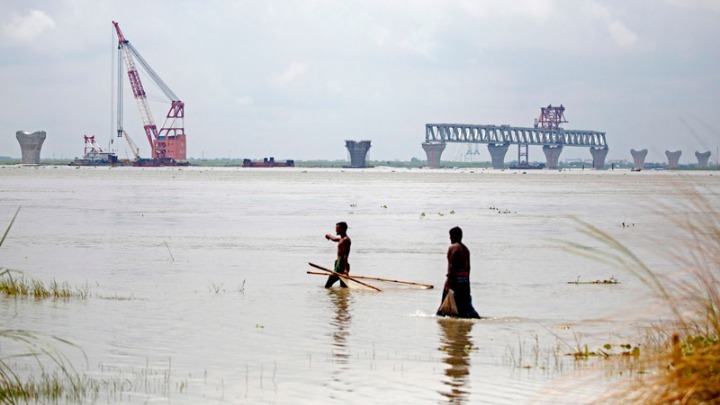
[458,277]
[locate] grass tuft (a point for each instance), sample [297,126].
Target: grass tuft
[683,363]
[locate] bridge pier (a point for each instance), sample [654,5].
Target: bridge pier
[30,145]
[673,158]
[702,159]
[598,155]
[552,154]
[358,152]
[497,154]
[638,158]
[433,151]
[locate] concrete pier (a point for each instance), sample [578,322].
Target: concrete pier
[552,154]
[673,158]
[638,158]
[497,154]
[30,145]
[358,151]
[433,151]
[599,155]
[702,159]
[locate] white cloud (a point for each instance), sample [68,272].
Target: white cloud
[294,70]
[621,34]
[28,27]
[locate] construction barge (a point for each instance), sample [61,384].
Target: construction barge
[268,162]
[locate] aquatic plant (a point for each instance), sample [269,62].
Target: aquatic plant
[683,364]
[16,386]
[24,287]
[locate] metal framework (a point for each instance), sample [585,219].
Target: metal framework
[169,142]
[551,117]
[91,145]
[505,134]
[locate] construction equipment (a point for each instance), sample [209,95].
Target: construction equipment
[133,148]
[168,145]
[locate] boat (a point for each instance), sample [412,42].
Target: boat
[96,159]
[159,162]
[525,166]
[268,162]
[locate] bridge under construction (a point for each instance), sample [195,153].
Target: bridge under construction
[546,133]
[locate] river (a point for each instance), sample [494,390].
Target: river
[195,287]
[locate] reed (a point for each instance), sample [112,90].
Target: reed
[24,287]
[682,364]
[16,386]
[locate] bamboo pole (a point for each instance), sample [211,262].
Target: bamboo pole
[10,226]
[332,273]
[426,286]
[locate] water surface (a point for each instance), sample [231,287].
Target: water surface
[199,292]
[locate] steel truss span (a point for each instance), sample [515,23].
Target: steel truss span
[504,134]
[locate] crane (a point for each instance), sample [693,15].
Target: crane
[168,145]
[135,150]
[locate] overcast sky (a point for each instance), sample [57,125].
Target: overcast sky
[295,79]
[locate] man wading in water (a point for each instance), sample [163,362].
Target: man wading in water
[343,251]
[458,278]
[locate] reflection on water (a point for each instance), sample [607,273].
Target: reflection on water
[340,332]
[341,323]
[456,344]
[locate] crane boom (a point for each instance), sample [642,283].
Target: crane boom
[168,143]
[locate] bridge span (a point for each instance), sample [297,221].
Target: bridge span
[500,137]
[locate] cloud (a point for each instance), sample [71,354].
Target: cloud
[621,34]
[27,28]
[294,70]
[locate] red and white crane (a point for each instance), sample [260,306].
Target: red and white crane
[168,144]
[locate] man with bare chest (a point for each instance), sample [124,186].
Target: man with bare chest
[342,266]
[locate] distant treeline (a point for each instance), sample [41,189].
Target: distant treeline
[412,163]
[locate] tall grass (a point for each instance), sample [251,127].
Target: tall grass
[21,286]
[58,377]
[683,367]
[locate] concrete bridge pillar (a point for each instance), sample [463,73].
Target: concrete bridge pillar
[673,158]
[552,154]
[702,159]
[358,152]
[30,145]
[638,158]
[433,152]
[497,154]
[598,155]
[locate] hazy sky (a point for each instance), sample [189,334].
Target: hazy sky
[295,79]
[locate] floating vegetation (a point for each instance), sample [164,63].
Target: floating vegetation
[611,280]
[500,211]
[440,214]
[607,350]
[466,348]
